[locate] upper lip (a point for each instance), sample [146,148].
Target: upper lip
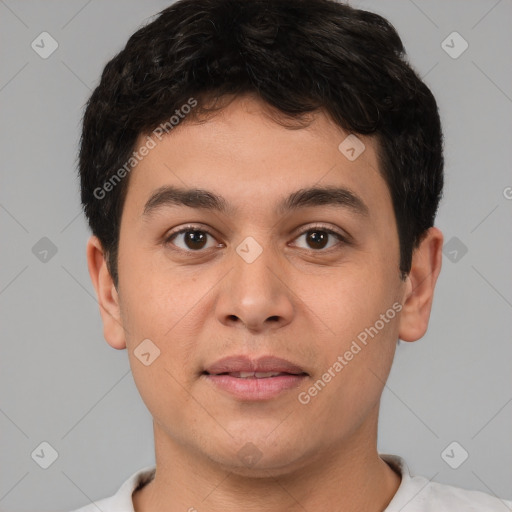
[242,363]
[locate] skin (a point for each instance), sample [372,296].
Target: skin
[294,301]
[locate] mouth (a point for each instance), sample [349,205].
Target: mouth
[253,375]
[247,379]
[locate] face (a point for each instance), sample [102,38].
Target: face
[261,270]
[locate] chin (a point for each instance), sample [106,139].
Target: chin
[259,456]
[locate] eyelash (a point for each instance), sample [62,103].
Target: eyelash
[342,239]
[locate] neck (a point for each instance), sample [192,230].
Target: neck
[350,473]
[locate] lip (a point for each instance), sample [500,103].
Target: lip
[242,363]
[252,388]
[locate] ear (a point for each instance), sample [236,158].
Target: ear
[108,298]
[420,284]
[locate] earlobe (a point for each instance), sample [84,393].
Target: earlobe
[106,293]
[420,284]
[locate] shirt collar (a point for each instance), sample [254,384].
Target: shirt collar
[409,488]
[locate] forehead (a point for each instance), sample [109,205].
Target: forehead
[244,156]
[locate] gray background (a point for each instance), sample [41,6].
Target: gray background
[61,383]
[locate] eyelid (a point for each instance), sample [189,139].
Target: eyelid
[343,237]
[323,227]
[189,227]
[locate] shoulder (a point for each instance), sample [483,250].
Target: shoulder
[440,497]
[122,500]
[105,505]
[419,494]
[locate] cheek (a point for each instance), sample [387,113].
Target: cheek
[161,311]
[163,391]
[357,313]
[356,366]
[155,299]
[351,298]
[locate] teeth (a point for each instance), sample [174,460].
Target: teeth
[257,375]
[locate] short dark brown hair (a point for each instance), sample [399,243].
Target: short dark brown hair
[299,56]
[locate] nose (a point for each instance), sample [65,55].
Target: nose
[255,295]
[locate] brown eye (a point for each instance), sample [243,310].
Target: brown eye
[318,239]
[189,239]
[195,239]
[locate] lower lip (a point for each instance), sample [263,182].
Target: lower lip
[256,389]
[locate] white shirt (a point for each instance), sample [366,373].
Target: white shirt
[415,494]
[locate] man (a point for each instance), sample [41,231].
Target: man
[261,179]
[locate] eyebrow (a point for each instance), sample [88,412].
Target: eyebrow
[339,197]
